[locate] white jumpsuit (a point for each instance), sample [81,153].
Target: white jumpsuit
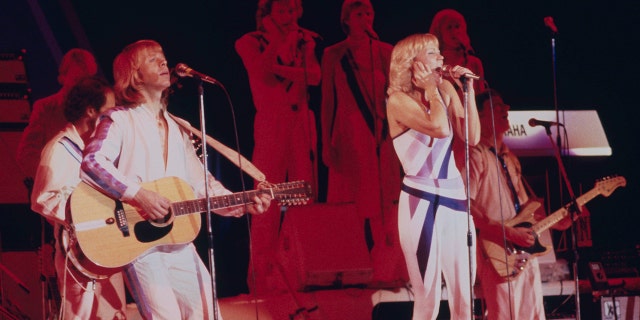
[433,225]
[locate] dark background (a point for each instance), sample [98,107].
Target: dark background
[596,60]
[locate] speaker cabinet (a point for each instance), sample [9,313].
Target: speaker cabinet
[323,245]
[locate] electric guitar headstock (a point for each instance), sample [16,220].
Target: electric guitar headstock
[607,185]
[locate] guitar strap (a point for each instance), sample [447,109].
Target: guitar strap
[233,156]
[71,147]
[514,194]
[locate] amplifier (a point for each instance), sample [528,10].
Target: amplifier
[12,68]
[14,110]
[621,307]
[14,90]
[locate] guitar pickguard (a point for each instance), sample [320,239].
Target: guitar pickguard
[146,232]
[537,247]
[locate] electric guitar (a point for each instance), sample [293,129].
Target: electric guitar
[106,234]
[516,256]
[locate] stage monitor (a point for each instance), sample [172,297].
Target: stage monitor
[585,135]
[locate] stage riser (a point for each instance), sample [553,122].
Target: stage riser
[556,307]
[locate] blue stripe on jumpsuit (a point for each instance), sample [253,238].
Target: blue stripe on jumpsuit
[424,242]
[424,245]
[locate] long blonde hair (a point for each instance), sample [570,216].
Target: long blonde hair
[402,57]
[128,83]
[443,17]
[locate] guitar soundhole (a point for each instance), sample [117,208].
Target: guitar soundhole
[146,232]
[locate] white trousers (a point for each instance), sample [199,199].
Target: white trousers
[448,257]
[171,283]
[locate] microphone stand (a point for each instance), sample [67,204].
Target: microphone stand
[555,88]
[212,268]
[573,209]
[465,90]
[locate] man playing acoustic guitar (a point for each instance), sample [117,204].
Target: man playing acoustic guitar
[133,147]
[498,194]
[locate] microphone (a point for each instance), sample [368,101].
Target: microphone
[465,44]
[535,122]
[446,69]
[372,34]
[182,70]
[467,49]
[548,21]
[308,35]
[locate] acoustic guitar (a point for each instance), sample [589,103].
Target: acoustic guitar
[107,234]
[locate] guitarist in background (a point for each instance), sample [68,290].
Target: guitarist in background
[497,194]
[139,142]
[57,176]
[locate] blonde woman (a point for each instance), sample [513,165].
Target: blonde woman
[425,113]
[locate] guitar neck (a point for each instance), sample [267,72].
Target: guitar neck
[563,212]
[217,202]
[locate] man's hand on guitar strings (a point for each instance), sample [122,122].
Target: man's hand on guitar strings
[151,205]
[521,236]
[260,204]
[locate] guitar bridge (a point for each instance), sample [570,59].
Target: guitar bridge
[121,219]
[521,260]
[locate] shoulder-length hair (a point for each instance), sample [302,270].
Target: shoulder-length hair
[442,17]
[402,57]
[128,82]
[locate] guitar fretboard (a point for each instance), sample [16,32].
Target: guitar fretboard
[554,218]
[217,202]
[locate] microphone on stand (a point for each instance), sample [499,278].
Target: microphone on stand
[465,44]
[182,70]
[308,35]
[467,49]
[535,122]
[446,69]
[372,34]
